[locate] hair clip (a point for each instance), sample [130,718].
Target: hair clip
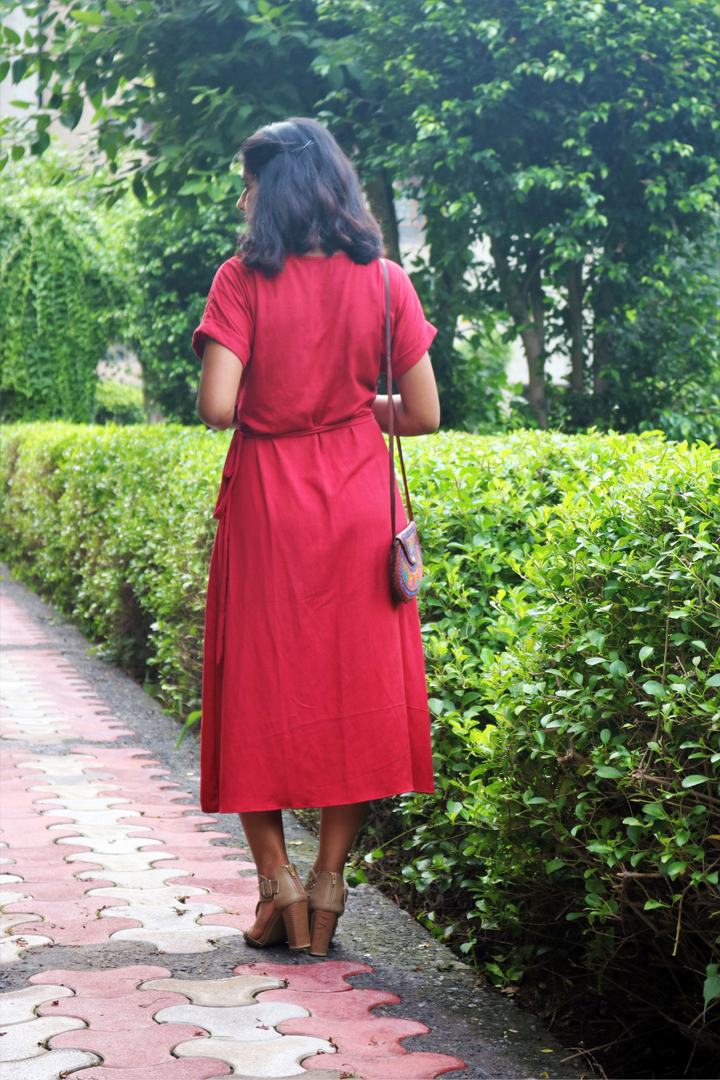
[299,149]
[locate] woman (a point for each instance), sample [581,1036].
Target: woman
[314,688]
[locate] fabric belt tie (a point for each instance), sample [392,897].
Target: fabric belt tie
[229,475]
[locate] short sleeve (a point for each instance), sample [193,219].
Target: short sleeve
[411,332]
[228,316]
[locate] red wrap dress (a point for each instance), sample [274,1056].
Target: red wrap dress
[314,688]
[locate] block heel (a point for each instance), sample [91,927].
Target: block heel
[322,928]
[289,920]
[297,926]
[327,895]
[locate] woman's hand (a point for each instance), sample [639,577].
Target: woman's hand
[417,408]
[219,381]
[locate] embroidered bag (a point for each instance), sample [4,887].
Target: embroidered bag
[405,553]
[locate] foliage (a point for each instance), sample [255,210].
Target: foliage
[579,137]
[174,258]
[577,770]
[118,403]
[666,369]
[114,524]
[57,298]
[175,85]
[571,626]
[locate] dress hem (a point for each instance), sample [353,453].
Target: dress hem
[221,808]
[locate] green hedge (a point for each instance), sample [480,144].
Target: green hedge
[571,619]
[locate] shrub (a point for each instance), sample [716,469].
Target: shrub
[572,633]
[118,403]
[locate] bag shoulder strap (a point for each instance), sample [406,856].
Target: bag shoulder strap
[391,413]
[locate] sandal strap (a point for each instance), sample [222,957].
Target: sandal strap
[269,887]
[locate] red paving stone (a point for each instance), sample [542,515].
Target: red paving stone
[328,977]
[17,628]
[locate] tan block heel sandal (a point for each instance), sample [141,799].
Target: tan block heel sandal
[290,917]
[327,895]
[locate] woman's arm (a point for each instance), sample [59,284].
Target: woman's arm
[219,381]
[417,407]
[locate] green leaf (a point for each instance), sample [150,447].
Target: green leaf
[694,780]
[653,688]
[592,660]
[192,719]
[650,905]
[607,772]
[88,18]
[714,680]
[711,986]
[554,864]
[647,650]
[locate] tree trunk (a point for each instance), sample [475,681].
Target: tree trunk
[577,344]
[525,302]
[603,343]
[379,191]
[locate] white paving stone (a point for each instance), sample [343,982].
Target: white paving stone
[11,945]
[8,879]
[7,921]
[18,1006]
[158,898]
[73,785]
[49,1066]
[274,1058]
[84,801]
[137,879]
[172,930]
[27,1040]
[125,862]
[13,897]
[61,767]
[120,845]
[104,831]
[248,1023]
[236,991]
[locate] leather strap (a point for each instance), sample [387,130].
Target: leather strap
[391,413]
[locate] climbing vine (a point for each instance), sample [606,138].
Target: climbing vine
[57,303]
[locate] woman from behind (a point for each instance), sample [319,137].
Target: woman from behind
[314,688]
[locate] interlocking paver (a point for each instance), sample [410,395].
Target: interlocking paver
[26,1040]
[49,1066]
[328,978]
[99,849]
[249,1023]
[240,990]
[20,1006]
[276,1057]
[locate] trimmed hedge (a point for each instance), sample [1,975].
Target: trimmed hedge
[571,618]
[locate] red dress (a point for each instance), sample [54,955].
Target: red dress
[314,687]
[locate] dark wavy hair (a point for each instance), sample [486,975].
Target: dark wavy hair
[306,194]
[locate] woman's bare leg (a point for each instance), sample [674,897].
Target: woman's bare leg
[264,833]
[339,826]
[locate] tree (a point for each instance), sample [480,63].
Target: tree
[58,298]
[176,85]
[574,141]
[580,137]
[174,258]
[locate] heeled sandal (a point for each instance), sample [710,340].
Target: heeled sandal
[327,893]
[289,920]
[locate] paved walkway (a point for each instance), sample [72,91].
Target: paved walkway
[123,907]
